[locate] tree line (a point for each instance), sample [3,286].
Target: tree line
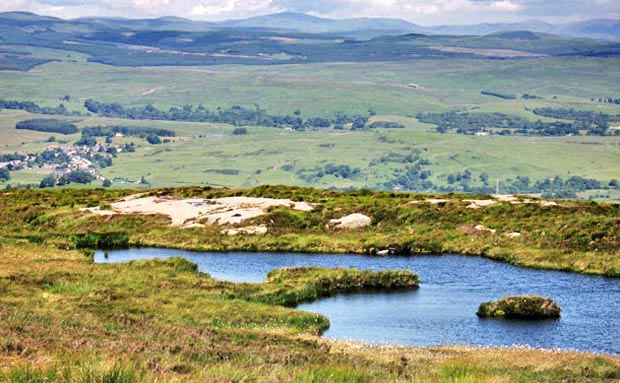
[607,100]
[499,95]
[505,124]
[586,116]
[32,107]
[235,115]
[48,125]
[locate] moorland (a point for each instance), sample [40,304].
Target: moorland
[419,140]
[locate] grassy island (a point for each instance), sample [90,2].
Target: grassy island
[520,307]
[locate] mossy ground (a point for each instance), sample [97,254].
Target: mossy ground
[520,307]
[64,319]
[575,236]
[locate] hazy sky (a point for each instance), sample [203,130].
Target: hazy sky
[425,12]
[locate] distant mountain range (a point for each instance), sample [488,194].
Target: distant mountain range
[598,29]
[360,28]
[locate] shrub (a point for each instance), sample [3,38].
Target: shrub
[48,181]
[153,139]
[5,175]
[109,240]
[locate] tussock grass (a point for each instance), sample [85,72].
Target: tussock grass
[64,319]
[575,236]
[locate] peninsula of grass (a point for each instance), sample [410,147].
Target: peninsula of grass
[289,287]
[564,235]
[520,307]
[64,319]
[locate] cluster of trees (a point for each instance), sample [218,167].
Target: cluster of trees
[386,125]
[12,157]
[555,187]
[607,100]
[595,123]
[50,156]
[102,160]
[75,176]
[153,139]
[5,175]
[412,177]
[48,125]
[504,124]
[151,135]
[32,107]
[398,158]
[86,140]
[528,96]
[499,95]
[236,115]
[339,171]
[464,177]
[137,131]
[587,116]
[129,148]
[240,131]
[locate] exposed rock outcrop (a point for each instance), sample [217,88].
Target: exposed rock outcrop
[351,222]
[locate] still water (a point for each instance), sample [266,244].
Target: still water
[442,310]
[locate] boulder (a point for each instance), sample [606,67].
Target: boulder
[351,222]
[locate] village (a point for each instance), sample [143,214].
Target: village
[67,163]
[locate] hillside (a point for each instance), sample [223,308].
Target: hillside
[180,42]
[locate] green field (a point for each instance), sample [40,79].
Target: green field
[206,153]
[262,156]
[326,88]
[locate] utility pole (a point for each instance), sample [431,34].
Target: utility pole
[497,187]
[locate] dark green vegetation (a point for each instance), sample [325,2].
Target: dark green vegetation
[32,107]
[48,125]
[575,236]
[19,60]
[586,122]
[5,175]
[71,177]
[499,95]
[133,131]
[608,100]
[290,287]
[236,116]
[64,319]
[520,307]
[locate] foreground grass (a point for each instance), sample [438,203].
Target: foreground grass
[65,319]
[573,236]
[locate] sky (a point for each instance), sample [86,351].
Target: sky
[424,12]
